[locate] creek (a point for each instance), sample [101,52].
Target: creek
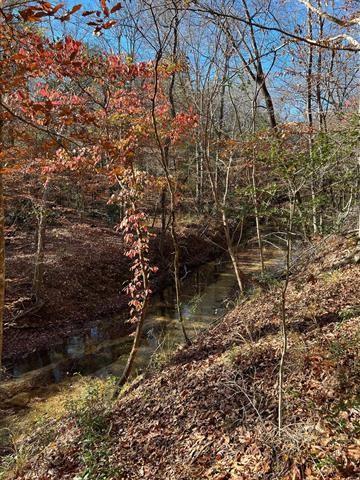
[207,294]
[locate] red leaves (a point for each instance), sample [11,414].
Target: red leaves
[104,8]
[57,8]
[116,7]
[182,125]
[136,239]
[109,24]
[75,8]
[31,15]
[98,21]
[35,13]
[57,70]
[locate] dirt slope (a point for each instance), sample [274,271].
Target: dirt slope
[211,412]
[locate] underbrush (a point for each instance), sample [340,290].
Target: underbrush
[84,409]
[91,416]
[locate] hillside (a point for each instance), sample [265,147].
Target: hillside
[179,240]
[211,411]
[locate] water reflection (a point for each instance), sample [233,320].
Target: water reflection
[206,295]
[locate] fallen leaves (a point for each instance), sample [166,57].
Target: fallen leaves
[211,413]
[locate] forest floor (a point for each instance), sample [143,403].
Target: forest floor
[85,271]
[211,411]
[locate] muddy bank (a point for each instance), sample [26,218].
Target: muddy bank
[85,273]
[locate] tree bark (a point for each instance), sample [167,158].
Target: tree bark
[163,222]
[322,116]
[139,327]
[199,177]
[220,125]
[164,156]
[260,77]
[231,250]
[309,84]
[2,267]
[254,191]
[284,332]
[38,278]
[257,220]
[2,248]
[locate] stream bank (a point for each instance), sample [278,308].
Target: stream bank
[211,411]
[102,350]
[85,271]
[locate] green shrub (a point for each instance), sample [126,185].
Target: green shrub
[91,414]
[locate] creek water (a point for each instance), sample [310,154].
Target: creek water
[207,294]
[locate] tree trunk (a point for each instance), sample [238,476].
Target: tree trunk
[145,271]
[171,187]
[254,191]
[176,270]
[164,153]
[135,347]
[322,116]
[309,84]
[2,267]
[2,249]
[231,250]
[139,327]
[163,221]
[260,77]
[284,332]
[257,220]
[220,125]
[221,210]
[38,278]
[199,177]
